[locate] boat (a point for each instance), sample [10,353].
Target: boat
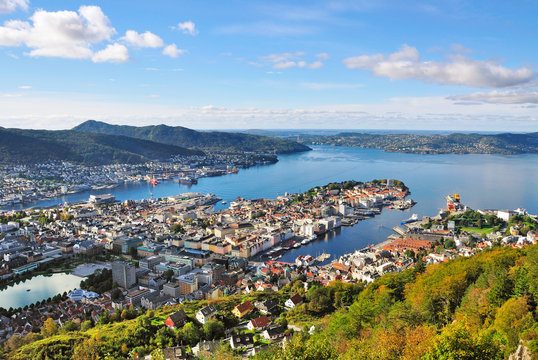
[224,202]
[297,245]
[153,181]
[187,180]
[28,289]
[305,241]
[412,219]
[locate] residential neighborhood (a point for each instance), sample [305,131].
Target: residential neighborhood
[165,253]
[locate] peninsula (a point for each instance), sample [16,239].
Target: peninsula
[505,144]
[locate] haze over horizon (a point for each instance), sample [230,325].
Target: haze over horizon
[336,64]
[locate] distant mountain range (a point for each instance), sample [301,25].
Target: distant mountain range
[508,144]
[208,141]
[35,146]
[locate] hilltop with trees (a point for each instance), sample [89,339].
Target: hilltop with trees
[204,140]
[38,146]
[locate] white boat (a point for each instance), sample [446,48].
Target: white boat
[413,218]
[297,245]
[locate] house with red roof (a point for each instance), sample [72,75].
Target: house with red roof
[259,323]
[294,301]
[242,309]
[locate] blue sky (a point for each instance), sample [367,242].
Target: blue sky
[450,65]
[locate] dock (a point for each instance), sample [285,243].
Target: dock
[399,230]
[323,257]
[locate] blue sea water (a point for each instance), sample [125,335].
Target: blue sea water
[484,181]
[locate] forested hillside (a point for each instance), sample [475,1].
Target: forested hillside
[480,307]
[35,146]
[210,140]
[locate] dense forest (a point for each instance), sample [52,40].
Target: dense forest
[481,307]
[508,144]
[210,141]
[35,146]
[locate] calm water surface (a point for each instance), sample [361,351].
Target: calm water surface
[42,287]
[484,181]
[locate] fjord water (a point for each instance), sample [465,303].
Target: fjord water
[484,181]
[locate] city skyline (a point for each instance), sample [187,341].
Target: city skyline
[240,65]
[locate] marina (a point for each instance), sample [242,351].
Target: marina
[477,175]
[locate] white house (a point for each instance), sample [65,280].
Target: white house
[206,314]
[293,301]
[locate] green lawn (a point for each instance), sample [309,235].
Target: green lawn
[159,320]
[488,230]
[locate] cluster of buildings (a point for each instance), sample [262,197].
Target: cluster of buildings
[31,319]
[178,248]
[414,237]
[20,184]
[169,250]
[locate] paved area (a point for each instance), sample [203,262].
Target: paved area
[88,269]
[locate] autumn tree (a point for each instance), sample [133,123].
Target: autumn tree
[49,328]
[512,318]
[456,342]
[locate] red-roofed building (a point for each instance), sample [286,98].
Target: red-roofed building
[242,309]
[293,301]
[259,323]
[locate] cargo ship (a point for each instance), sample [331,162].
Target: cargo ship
[187,180]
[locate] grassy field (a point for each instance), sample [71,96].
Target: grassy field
[488,230]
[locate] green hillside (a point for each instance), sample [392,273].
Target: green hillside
[212,141]
[480,307]
[35,146]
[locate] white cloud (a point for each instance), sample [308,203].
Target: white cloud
[459,70]
[65,34]
[188,27]
[459,48]
[285,65]
[7,6]
[323,56]
[315,65]
[288,60]
[154,96]
[25,87]
[436,113]
[115,53]
[500,97]
[147,39]
[172,51]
